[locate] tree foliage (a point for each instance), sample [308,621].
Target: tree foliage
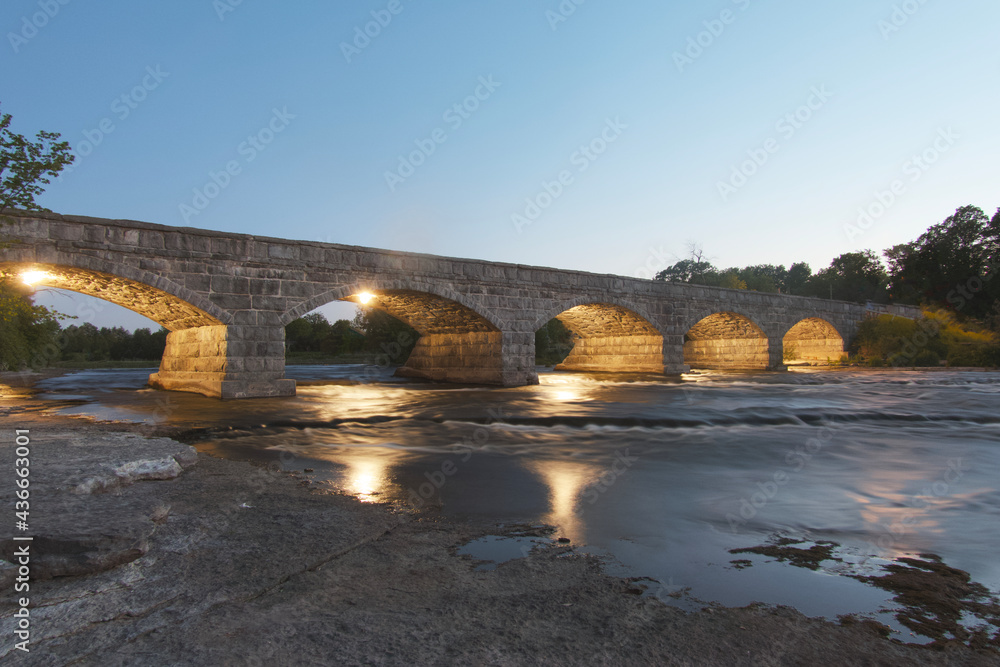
[26,330]
[385,334]
[857,276]
[853,276]
[88,343]
[314,333]
[552,343]
[27,166]
[685,271]
[952,264]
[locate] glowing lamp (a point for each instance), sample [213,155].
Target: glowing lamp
[365,297]
[32,278]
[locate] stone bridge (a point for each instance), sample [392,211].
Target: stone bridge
[225,298]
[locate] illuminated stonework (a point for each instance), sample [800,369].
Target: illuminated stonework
[431,314]
[165,309]
[226,299]
[726,341]
[611,338]
[813,341]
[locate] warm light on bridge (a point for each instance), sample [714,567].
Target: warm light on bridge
[365,297]
[32,278]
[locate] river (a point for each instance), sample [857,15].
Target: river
[661,476]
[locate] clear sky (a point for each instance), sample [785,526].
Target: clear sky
[756,129]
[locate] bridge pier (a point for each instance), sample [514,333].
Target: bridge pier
[673,355]
[775,356]
[476,357]
[234,361]
[627,353]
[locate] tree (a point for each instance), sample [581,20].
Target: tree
[731,280]
[951,264]
[385,334]
[26,166]
[343,339]
[552,342]
[764,277]
[685,271]
[797,278]
[690,270]
[25,331]
[853,276]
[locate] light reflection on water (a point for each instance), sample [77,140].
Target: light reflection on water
[565,481]
[720,461]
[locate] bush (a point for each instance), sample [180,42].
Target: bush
[926,358]
[925,342]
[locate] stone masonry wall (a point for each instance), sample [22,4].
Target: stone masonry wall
[256,285]
[641,353]
[731,354]
[473,358]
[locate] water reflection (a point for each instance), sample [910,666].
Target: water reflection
[708,450]
[566,482]
[366,476]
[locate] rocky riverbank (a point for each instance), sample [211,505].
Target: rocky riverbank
[146,552]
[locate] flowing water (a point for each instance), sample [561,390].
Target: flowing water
[662,476]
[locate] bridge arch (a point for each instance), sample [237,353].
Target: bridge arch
[726,340]
[812,341]
[609,335]
[200,349]
[165,302]
[431,307]
[460,341]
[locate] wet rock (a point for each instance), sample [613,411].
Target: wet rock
[93,505]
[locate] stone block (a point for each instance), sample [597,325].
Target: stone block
[277,303]
[189,243]
[232,302]
[65,232]
[278,251]
[223,284]
[198,282]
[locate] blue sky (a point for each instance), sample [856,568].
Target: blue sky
[755,129]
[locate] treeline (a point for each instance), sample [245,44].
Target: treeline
[372,333]
[854,276]
[31,336]
[951,265]
[88,343]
